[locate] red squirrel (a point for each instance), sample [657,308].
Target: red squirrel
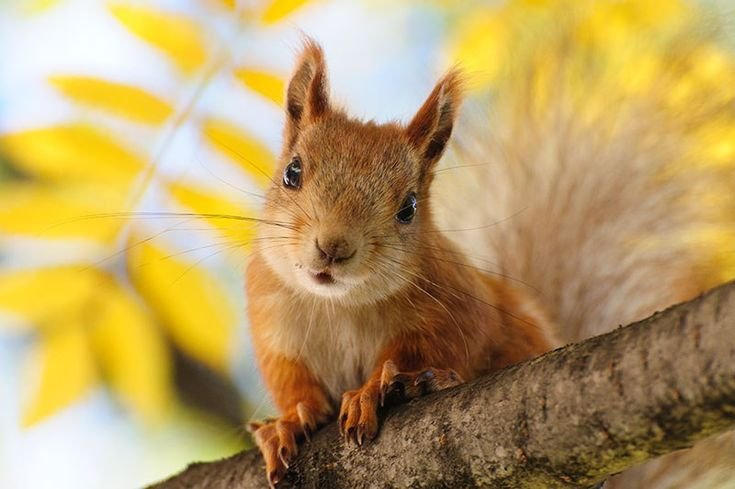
[354,294]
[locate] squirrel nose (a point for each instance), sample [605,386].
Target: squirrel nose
[334,250]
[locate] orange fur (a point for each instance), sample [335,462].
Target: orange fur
[400,300]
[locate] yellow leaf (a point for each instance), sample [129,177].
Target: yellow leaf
[241,231]
[132,353]
[120,99]
[60,211]
[250,155]
[715,145]
[481,48]
[67,368]
[267,84]
[709,80]
[179,37]
[34,7]
[191,303]
[610,26]
[279,9]
[43,295]
[75,152]
[228,4]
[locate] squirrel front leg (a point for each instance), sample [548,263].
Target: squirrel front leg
[303,404]
[402,373]
[299,396]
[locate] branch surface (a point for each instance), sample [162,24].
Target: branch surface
[567,419]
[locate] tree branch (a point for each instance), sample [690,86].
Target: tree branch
[567,419]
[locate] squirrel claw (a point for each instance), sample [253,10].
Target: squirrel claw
[352,435]
[405,386]
[306,419]
[344,412]
[283,456]
[273,439]
[358,419]
[389,372]
[277,440]
[426,376]
[358,414]
[273,478]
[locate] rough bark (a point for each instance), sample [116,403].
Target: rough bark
[567,419]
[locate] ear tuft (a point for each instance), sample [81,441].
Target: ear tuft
[307,97]
[431,127]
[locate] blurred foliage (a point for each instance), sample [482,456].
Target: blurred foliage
[594,58]
[115,320]
[179,37]
[123,100]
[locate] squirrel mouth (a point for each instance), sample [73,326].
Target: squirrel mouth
[324,278]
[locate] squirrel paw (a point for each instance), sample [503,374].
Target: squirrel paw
[278,439]
[358,415]
[397,387]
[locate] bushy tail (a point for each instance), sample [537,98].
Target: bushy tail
[599,189]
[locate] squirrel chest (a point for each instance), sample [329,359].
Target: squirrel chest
[340,346]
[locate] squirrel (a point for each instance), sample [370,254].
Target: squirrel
[358,298]
[354,294]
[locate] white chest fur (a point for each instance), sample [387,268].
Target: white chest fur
[339,346]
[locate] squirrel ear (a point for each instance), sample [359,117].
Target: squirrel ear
[430,128]
[307,98]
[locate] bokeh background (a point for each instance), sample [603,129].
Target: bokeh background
[133,134]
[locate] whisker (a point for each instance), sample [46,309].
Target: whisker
[471,296]
[454,320]
[197,248]
[161,215]
[201,260]
[127,248]
[457,230]
[308,329]
[222,180]
[262,172]
[459,263]
[442,170]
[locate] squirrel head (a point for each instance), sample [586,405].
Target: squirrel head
[351,197]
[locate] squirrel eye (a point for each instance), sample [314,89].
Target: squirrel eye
[292,174]
[408,209]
